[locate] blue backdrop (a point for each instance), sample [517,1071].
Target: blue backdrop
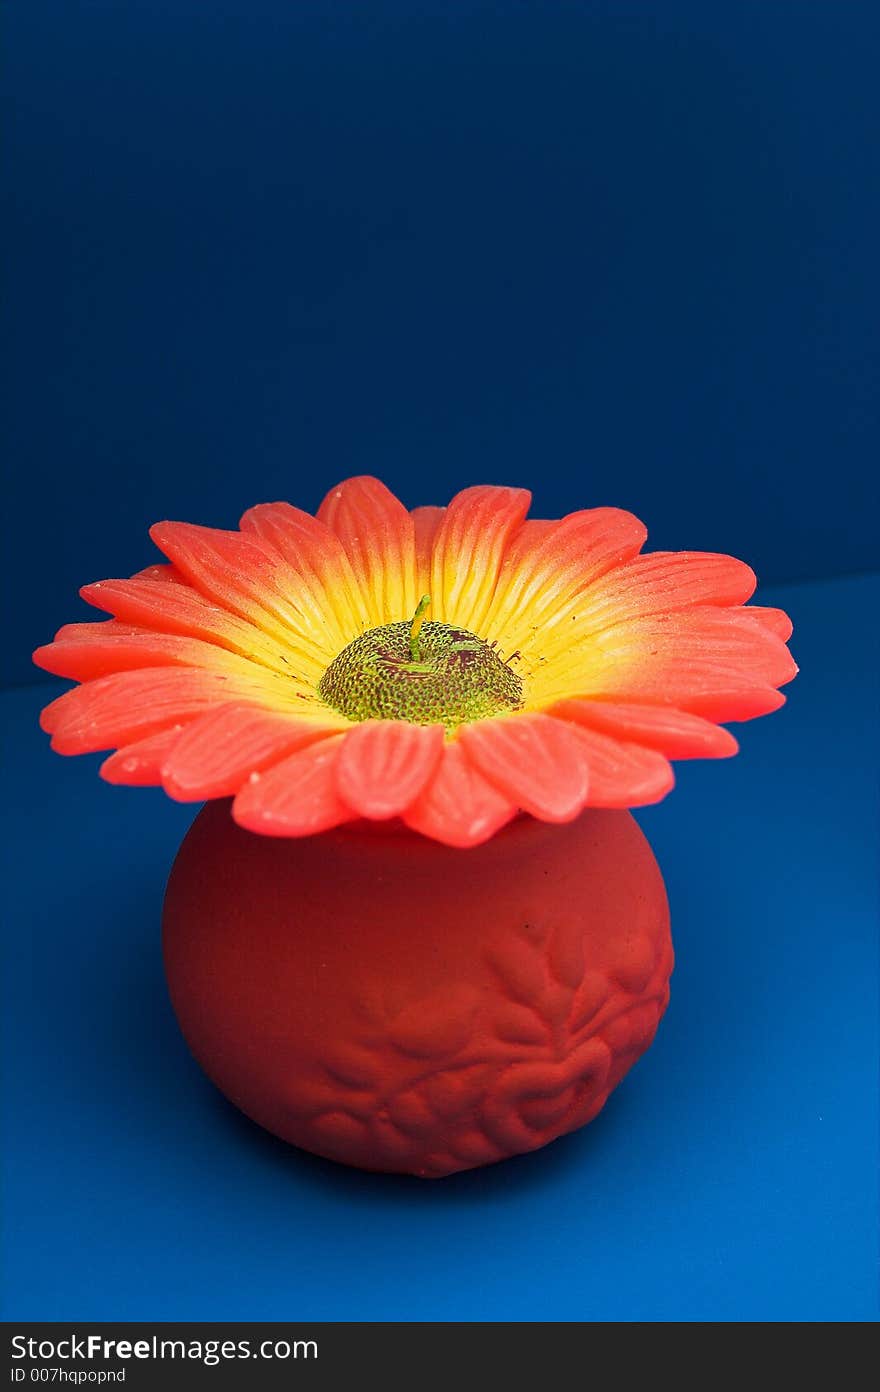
[619,252]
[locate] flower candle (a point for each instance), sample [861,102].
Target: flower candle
[437,950]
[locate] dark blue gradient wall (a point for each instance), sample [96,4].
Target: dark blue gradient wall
[622,253]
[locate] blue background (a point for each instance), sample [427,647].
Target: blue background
[620,253]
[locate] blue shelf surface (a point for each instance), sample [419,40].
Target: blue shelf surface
[732,1177]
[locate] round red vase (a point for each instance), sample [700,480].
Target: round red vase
[392,1003]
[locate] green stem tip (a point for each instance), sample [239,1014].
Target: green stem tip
[415,626]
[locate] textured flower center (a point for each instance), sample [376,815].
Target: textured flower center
[426,672]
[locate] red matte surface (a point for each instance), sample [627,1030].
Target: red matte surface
[381,999]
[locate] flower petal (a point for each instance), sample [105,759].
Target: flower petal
[128,706]
[623,775]
[426,522]
[298,797]
[140,765]
[219,751]
[247,576]
[663,581]
[174,607]
[534,760]
[86,650]
[547,569]
[469,551]
[317,555]
[164,572]
[675,733]
[714,662]
[378,535]
[385,764]
[776,620]
[206,676]
[582,545]
[458,806]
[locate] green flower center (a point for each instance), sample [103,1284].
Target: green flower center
[425,672]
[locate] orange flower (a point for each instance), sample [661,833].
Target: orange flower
[298,666]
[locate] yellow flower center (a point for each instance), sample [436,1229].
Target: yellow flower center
[426,672]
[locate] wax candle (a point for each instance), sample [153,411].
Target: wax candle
[410,940]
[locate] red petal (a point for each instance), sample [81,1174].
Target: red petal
[128,706]
[668,580]
[297,797]
[675,733]
[714,662]
[316,554]
[459,807]
[533,760]
[623,775]
[531,534]
[379,538]
[231,569]
[168,607]
[385,764]
[161,572]
[103,628]
[140,764]
[87,650]
[296,535]
[589,542]
[218,752]
[245,575]
[776,620]
[469,550]
[426,521]
[550,564]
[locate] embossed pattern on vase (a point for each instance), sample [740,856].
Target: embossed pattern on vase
[464,1078]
